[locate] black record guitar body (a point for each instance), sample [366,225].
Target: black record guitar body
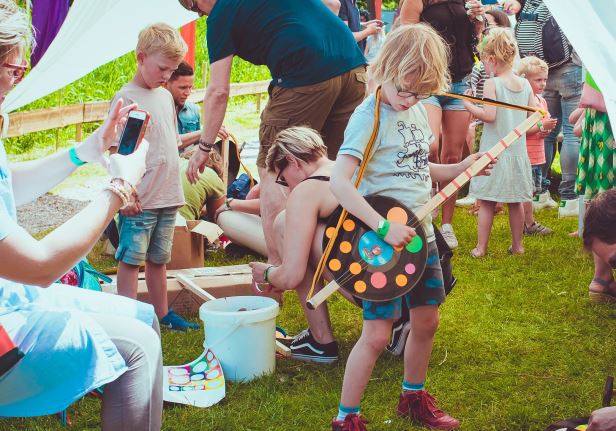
[368,267]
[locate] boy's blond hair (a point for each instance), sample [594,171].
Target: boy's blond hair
[414,58]
[303,143]
[164,39]
[531,66]
[500,43]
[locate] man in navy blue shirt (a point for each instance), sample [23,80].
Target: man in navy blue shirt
[349,13]
[318,77]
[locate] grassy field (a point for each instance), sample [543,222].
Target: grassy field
[519,346]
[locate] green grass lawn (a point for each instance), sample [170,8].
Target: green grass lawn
[519,346]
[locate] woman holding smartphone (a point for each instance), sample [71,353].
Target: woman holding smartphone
[72,340]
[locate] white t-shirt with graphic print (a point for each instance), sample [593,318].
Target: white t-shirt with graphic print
[399,166]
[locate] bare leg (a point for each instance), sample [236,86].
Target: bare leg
[435,117]
[272,202]
[529,219]
[424,323]
[373,339]
[455,127]
[156,279]
[127,279]
[484,225]
[516,223]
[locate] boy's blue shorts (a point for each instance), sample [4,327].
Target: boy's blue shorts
[146,236]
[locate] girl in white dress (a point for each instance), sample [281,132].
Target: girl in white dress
[511,180]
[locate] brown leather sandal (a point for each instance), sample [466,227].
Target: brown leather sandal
[607,295]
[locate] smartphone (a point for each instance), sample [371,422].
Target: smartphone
[133,132]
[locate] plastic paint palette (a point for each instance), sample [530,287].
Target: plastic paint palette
[202,375]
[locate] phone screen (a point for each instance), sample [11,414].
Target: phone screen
[130,135]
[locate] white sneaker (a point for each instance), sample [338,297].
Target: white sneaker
[550,203]
[449,236]
[467,201]
[568,208]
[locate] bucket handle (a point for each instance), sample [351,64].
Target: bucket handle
[224,337]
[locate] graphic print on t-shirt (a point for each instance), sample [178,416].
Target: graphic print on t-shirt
[413,158]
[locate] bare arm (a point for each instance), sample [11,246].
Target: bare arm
[48,171]
[485,113]
[301,214]
[333,5]
[48,259]
[411,12]
[215,104]
[187,139]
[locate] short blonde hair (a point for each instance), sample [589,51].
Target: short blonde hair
[414,57]
[164,39]
[531,66]
[15,29]
[303,143]
[214,161]
[500,43]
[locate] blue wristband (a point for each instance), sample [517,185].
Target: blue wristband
[72,153]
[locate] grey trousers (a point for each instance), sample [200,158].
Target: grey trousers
[134,401]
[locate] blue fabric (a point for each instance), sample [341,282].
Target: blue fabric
[8,213]
[67,353]
[189,118]
[301,42]
[146,236]
[450,103]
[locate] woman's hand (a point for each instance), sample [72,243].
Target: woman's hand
[468,162]
[474,9]
[399,235]
[258,277]
[130,169]
[511,7]
[94,147]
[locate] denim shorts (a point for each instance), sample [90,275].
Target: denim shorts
[537,179]
[449,103]
[430,290]
[146,236]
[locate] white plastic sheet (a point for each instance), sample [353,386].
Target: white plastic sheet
[590,26]
[94,33]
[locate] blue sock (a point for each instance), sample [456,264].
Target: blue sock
[407,386]
[343,411]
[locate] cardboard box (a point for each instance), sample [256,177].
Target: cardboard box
[188,249]
[233,280]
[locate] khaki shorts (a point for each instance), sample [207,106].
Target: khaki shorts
[325,106]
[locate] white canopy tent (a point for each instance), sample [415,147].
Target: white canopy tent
[591,28]
[98,31]
[94,33]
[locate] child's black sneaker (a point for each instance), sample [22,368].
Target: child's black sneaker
[305,348]
[399,333]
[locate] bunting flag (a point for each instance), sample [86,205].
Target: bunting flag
[47,18]
[188,33]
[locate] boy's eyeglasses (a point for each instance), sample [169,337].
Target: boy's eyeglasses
[279,180]
[17,70]
[190,5]
[408,94]
[486,30]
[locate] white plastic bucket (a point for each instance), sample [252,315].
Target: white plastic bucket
[241,331]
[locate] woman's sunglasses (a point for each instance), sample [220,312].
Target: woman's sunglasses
[279,179]
[17,70]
